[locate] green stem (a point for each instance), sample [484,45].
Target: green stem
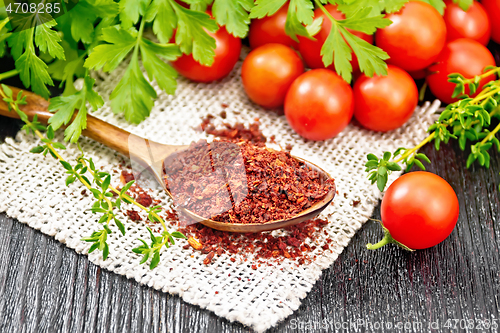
[135,55]
[8,74]
[386,240]
[491,134]
[414,149]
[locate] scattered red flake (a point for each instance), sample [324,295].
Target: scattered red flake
[216,292]
[209,258]
[126,177]
[289,146]
[254,266]
[223,114]
[144,199]
[133,215]
[355,203]
[224,105]
[84,192]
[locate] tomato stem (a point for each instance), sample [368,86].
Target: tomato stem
[386,240]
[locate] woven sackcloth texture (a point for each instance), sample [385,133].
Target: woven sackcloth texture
[32,190]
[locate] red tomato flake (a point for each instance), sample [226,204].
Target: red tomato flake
[126,177]
[144,199]
[254,266]
[133,215]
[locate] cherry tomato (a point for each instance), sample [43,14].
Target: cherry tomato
[464,56]
[492,7]
[420,209]
[267,73]
[311,49]
[227,53]
[384,103]
[473,24]
[319,104]
[270,29]
[415,37]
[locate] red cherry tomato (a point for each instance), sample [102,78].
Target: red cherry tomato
[420,209]
[311,49]
[415,37]
[492,7]
[473,24]
[319,104]
[384,103]
[267,73]
[464,56]
[270,29]
[227,53]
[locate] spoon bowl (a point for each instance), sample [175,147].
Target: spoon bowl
[151,155]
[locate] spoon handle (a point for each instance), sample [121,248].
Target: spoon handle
[98,130]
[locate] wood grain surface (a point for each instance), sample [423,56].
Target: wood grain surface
[46,287]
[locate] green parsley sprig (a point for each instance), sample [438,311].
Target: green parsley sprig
[107,199]
[468,120]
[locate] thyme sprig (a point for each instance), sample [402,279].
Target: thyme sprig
[467,120]
[99,185]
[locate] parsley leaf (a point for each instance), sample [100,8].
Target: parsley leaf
[340,43]
[109,56]
[32,70]
[48,40]
[165,20]
[84,15]
[300,13]
[65,107]
[163,73]
[234,15]
[131,10]
[370,58]
[66,70]
[191,36]
[265,8]
[362,21]
[133,95]
[342,54]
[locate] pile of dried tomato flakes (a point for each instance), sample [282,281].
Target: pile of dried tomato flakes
[296,243]
[236,179]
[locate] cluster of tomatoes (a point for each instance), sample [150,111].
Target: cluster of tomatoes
[318,103]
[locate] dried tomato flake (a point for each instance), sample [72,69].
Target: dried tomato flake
[133,215]
[209,258]
[144,199]
[126,177]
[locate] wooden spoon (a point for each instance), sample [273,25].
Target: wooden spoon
[152,155]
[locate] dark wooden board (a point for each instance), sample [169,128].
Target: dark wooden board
[46,287]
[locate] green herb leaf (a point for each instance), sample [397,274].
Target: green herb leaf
[164,74]
[233,14]
[109,56]
[48,40]
[191,35]
[133,95]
